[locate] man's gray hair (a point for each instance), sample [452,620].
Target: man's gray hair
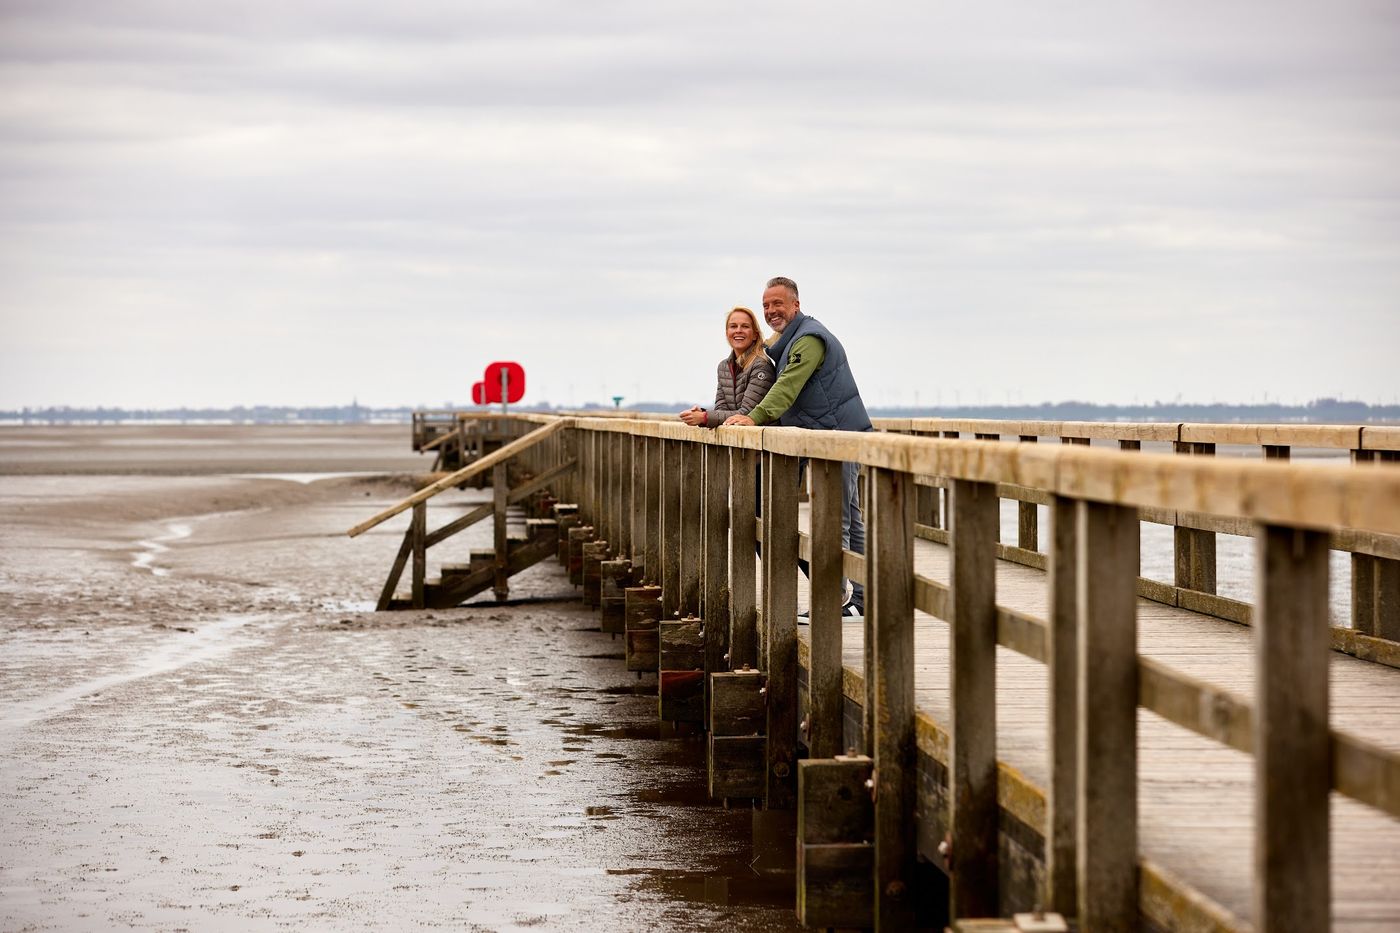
[785,282]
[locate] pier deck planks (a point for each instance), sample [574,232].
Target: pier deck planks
[1196,797]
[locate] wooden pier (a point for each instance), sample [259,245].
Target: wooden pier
[1036,720]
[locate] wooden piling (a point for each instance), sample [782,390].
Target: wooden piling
[737,747]
[641,639]
[681,676]
[836,867]
[614,578]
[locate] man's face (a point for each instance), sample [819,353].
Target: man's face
[779,307]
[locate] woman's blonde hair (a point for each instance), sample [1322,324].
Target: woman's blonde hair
[754,351]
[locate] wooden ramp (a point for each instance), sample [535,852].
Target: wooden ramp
[1196,796]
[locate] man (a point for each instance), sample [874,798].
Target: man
[814,388]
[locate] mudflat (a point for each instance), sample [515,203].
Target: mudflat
[203,726]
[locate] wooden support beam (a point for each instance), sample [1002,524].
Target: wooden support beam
[889,602]
[500,490]
[614,576]
[680,678]
[692,491]
[579,535]
[629,497]
[418,531]
[778,640]
[651,560]
[927,508]
[595,552]
[386,595]
[743,593]
[1106,808]
[1195,549]
[737,748]
[973,778]
[670,484]
[716,561]
[641,640]
[825,701]
[638,504]
[835,858]
[1385,605]
[1062,663]
[1292,743]
[1028,514]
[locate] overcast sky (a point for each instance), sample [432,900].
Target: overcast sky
[304,202]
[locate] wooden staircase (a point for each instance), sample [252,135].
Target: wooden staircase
[460,582]
[524,474]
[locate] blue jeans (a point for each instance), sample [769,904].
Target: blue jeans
[852,522]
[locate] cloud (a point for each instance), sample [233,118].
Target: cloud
[217,203]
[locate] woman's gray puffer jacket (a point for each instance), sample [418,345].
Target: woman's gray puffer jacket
[739,394]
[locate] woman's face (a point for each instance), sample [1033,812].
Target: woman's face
[739,330]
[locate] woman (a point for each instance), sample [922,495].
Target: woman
[745,375]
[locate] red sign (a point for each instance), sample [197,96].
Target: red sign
[478,393]
[514,375]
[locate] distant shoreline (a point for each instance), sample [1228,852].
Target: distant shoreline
[1318,411]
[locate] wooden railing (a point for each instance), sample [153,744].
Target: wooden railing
[540,447]
[1375,560]
[678,503]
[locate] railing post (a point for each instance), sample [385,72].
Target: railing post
[652,559]
[824,698]
[1195,549]
[716,561]
[1292,740]
[1106,576]
[607,502]
[1062,671]
[626,507]
[692,493]
[500,489]
[617,471]
[743,572]
[1028,514]
[1363,576]
[973,633]
[778,642]
[638,506]
[419,531]
[670,479]
[890,603]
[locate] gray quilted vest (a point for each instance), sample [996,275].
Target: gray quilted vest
[830,399]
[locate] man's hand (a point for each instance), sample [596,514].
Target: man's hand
[739,419]
[694,416]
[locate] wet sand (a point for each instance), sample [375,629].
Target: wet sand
[202,727]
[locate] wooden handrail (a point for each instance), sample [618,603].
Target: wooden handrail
[467,472]
[1362,497]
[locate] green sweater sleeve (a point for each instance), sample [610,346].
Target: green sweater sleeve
[805,355]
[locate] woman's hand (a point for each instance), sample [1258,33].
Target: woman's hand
[739,419]
[694,416]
